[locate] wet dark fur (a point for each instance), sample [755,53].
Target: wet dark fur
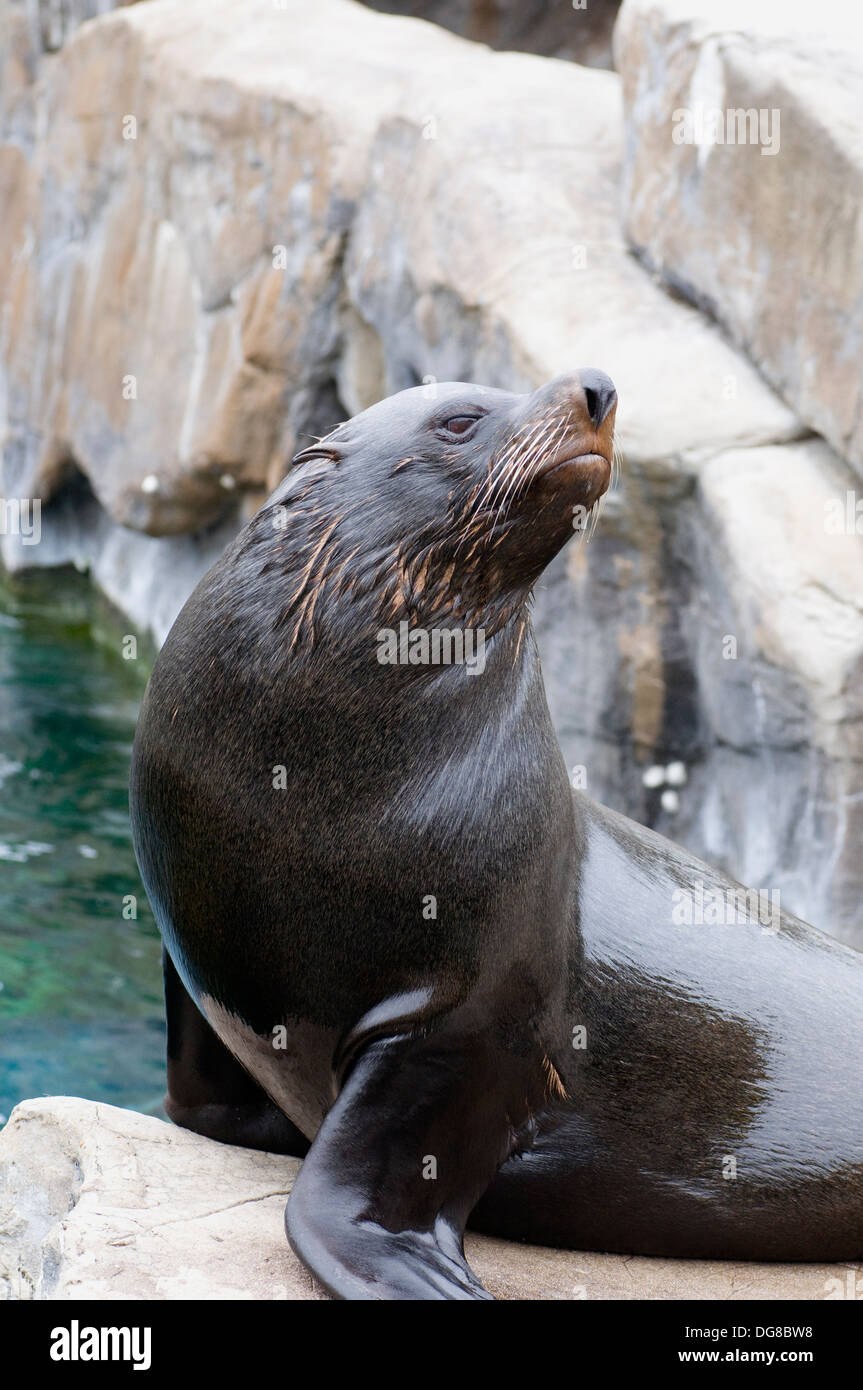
[406,1038]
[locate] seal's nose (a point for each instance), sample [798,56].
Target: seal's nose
[599,394]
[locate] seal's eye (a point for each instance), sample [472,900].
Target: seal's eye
[459,424]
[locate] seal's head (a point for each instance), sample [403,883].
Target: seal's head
[442,504]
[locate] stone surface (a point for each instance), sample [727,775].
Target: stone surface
[790,591]
[640,673]
[182,303]
[100,1203]
[51,23]
[772,243]
[490,249]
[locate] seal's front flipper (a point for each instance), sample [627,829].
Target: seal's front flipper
[208,1090]
[415,1137]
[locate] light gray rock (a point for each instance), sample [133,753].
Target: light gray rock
[487,246]
[174,356]
[721,624]
[51,23]
[100,1203]
[31,31]
[794,572]
[771,242]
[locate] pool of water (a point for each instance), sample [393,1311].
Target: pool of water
[80,997]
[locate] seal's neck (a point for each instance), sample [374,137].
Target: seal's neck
[455,765]
[370,695]
[328,584]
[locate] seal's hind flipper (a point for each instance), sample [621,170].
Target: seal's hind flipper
[208,1090]
[380,1205]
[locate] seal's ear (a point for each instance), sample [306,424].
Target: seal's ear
[321,450]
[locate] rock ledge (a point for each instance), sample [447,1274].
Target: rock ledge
[102,1203]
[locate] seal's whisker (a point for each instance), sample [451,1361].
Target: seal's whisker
[513,459]
[531,465]
[593,520]
[522,465]
[514,467]
[502,467]
[616,462]
[587,533]
[507,461]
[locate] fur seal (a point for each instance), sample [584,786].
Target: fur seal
[396,935]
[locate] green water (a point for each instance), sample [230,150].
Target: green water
[80,1003]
